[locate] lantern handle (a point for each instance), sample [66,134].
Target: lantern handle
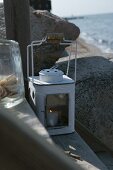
[38,43]
[68,65]
[30,55]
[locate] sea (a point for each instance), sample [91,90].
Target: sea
[97,29]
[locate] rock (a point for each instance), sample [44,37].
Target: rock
[43,22]
[94,95]
[46,56]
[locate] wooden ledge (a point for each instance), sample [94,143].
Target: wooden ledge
[74,144]
[24,143]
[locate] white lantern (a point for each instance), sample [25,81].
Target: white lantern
[52,96]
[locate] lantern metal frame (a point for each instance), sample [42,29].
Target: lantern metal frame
[39,43]
[68,82]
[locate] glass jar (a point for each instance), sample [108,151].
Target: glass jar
[11,76]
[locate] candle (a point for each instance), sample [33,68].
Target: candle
[52,118]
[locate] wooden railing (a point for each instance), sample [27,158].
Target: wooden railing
[26,145]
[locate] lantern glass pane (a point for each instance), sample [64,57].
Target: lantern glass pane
[56,110]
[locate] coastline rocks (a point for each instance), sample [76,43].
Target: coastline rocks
[46,56]
[94,95]
[43,22]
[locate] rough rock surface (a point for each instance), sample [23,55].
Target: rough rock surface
[94,96]
[43,22]
[94,93]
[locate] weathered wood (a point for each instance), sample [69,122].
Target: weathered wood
[9,20]
[74,144]
[25,114]
[26,145]
[17,20]
[23,147]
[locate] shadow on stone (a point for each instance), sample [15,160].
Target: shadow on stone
[94,95]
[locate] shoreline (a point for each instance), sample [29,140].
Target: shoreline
[85,49]
[90,49]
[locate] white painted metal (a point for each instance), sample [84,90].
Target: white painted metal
[40,42]
[51,75]
[38,92]
[51,81]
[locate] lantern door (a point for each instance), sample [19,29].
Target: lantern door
[57,110]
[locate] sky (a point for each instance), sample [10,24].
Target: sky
[65,8]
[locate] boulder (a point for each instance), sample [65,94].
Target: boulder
[94,95]
[43,22]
